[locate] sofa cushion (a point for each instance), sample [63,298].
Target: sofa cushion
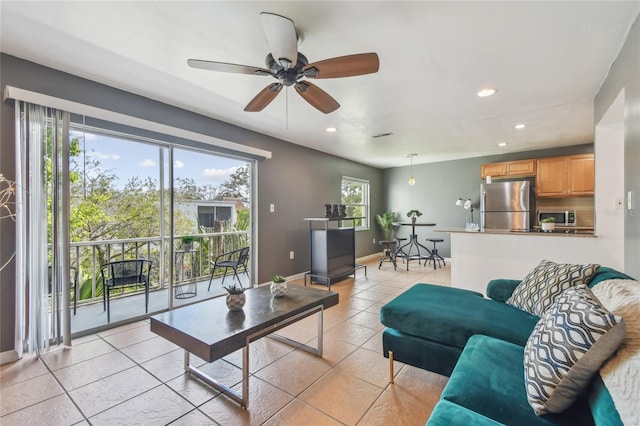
[451,315]
[501,289]
[419,352]
[447,413]
[542,286]
[568,346]
[489,379]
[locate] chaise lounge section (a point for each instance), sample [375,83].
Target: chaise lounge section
[480,344]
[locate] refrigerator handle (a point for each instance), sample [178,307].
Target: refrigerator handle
[482,208]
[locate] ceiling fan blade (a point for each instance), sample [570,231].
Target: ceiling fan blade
[343,66]
[317,97]
[263,98]
[282,40]
[224,67]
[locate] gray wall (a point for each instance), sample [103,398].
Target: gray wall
[297,180]
[438,186]
[625,74]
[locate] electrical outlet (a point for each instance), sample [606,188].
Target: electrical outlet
[291,255]
[272,208]
[620,203]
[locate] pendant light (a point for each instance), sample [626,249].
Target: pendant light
[412,180]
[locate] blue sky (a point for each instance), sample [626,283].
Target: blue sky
[127,159]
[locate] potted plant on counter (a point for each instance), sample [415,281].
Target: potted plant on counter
[414,214]
[278,286]
[235,297]
[548,224]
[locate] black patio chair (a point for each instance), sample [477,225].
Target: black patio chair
[232,260]
[125,273]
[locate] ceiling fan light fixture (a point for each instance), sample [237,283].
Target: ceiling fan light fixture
[285,63]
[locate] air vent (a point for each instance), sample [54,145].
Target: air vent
[381,135]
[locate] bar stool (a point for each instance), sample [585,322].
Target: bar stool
[389,252]
[435,257]
[399,241]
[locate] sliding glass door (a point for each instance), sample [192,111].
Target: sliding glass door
[142,198]
[211,211]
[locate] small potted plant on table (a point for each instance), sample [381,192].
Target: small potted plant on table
[548,224]
[278,286]
[235,297]
[414,214]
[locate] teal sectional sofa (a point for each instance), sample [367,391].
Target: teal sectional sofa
[479,343]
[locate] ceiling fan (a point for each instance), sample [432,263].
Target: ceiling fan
[289,67]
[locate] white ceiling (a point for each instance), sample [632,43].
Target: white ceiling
[547,60]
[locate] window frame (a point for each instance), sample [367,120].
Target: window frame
[366,200]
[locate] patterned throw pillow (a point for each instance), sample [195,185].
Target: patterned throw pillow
[567,347]
[542,286]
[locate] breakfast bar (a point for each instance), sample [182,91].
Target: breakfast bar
[476,256]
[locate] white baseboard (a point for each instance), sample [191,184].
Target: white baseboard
[8,356]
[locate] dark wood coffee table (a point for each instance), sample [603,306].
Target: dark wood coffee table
[210,331]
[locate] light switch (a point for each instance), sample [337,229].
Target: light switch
[272,208]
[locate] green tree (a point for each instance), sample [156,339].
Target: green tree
[237,186]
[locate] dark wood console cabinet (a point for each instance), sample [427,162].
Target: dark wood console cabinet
[333,250]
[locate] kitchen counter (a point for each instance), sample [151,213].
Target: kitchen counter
[577,232]
[478,257]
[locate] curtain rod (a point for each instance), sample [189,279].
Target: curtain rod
[18,94]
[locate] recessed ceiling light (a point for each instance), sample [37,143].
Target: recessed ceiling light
[331,129]
[502,144]
[520,126]
[486,92]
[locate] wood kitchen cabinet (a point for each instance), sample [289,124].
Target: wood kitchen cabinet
[508,169]
[568,176]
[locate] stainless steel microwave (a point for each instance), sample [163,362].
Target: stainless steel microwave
[563,217]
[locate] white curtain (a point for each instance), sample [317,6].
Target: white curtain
[40,145]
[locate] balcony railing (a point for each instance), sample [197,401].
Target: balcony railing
[88,256]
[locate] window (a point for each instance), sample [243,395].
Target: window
[355,195]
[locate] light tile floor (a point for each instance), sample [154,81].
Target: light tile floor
[130,376]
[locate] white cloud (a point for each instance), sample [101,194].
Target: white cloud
[100,156]
[147,162]
[178,164]
[217,175]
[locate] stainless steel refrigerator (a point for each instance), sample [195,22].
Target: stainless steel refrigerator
[505,205]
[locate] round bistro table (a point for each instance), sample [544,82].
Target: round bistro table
[404,251]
